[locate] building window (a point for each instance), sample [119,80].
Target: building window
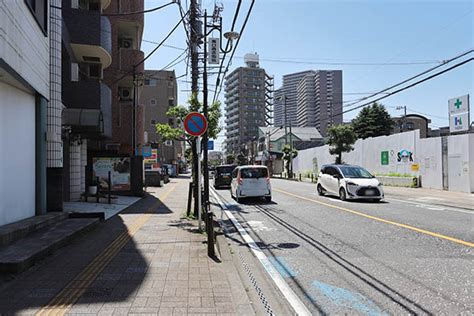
[39,9]
[410,125]
[152,102]
[150,82]
[170,102]
[153,122]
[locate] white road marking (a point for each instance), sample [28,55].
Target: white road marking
[258,226]
[288,293]
[432,207]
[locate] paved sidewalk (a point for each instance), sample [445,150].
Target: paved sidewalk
[148,260]
[432,196]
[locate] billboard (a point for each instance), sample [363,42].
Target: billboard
[459,114]
[119,168]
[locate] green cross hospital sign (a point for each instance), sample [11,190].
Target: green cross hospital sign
[459,114]
[384,158]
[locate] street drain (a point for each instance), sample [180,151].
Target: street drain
[260,294]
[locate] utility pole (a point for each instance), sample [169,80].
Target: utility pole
[404,117]
[193,48]
[134,106]
[206,115]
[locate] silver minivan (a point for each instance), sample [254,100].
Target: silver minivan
[251,181]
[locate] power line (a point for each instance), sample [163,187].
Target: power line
[138,12]
[234,20]
[322,62]
[216,95]
[404,88]
[445,62]
[171,63]
[153,51]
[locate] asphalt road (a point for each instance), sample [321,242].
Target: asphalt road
[396,257]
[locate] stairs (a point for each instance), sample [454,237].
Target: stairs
[26,242]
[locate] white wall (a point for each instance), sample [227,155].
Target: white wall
[367,153]
[460,163]
[23,45]
[431,164]
[17,154]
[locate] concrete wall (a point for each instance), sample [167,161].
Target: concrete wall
[17,154]
[426,156]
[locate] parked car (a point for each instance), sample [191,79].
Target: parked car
[251,181]
[223,176]
[349,182]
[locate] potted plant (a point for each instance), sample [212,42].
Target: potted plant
[93,187]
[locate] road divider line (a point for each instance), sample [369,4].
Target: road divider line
[294,301]
[416,229]
[62,302]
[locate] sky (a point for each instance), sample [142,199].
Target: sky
[376,43]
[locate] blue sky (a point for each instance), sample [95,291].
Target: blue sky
[335,34]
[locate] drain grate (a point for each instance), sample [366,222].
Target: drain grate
[260,294]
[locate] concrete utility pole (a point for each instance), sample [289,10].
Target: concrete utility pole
[404,116]
[206,115]
[193,48]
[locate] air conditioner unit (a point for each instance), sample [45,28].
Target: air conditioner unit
[126,43]
[125,93]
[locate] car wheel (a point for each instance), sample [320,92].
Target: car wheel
[342,194]
[268,198]
[320,189]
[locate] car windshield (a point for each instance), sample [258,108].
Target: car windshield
[355,172]
[224,171]
[254,173]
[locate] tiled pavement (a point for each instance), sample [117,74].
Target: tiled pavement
[159,267]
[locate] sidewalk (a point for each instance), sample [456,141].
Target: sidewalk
[432,196]
[147,260]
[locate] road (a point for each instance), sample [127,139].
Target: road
[395,257]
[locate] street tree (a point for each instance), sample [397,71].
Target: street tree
[372,121]
[288,155]
[341,138]
[230,159]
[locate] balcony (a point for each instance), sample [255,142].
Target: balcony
[90,36]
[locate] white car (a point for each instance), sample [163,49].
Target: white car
[251,181]
[349,182]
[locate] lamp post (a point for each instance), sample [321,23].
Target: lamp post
[230,36]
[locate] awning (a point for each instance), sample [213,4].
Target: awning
[84,121]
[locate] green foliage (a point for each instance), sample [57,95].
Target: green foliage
[341,139]
[289,154]
[230,159]
[179,112]
[373,121]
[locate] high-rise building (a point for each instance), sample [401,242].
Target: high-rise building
[248,94]
[288,91]
[159,93]
[319,100]
[312,98]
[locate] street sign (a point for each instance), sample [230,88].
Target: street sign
[214,47]
[210,145]
[459,114]
[195,124]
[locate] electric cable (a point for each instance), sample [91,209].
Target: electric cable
[139,12]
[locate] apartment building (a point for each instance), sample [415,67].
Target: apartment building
[247,97]
[158,95]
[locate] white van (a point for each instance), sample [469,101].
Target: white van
[251,181]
